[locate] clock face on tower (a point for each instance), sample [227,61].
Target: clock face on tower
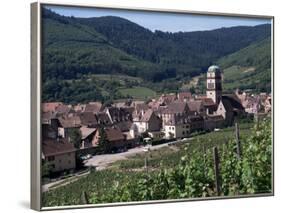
[211,86]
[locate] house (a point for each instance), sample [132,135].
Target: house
[176,130]
[196,107]
[79,108]
[184,96]
[196,123]
[166,99]
[154,104]
[139,110]
[93,107]
[87,137]
[209,105]
[135,103]
[63,109]
[88,119]
[147,121]
[123,126]
[119,114]
[242,96]
[176,111]
[50,125]
[49,131]
[67,124]
[213,121]
[252,105]
[50,106]
[46,117]
[267,105]
[59,154]
[114,138]
[141,107]
[229,108]
[123,104]
[103,119]
[175,120]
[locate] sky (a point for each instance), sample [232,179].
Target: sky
[167,22]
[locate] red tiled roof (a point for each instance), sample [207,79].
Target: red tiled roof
[208,102]
[102,118]
[167,98]
[88,118]
[69,122]
[113,134]
[94,107]
[47,116]
[63,109]
[184,95]
[50,106]
[194,105]
[56,147]
[85,131]
[140,107]
[124,126]
[146,116]
[176,107]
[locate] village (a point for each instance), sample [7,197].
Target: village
[124,125]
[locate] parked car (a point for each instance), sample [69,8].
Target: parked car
[86,157]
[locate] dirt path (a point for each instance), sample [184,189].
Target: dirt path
[63,182]
[101,162]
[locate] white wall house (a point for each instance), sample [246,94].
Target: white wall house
[176,131]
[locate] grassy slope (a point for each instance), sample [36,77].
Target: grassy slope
[138,92]
[249,68]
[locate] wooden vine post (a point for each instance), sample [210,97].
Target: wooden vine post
[238,143]
[217,171]
[258,120]
[84,198]
[204,158]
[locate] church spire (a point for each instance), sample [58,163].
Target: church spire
[214,83]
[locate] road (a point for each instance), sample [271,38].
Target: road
[101,162]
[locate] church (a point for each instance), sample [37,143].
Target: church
[226,105]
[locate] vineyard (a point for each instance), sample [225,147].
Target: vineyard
[214,164]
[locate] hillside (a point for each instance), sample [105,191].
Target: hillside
[246,69]
[72,50]
[76,50]
[249,68]
[187,53]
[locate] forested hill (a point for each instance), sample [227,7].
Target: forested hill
[74,48]
[186,52]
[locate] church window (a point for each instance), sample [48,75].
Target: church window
[211,85]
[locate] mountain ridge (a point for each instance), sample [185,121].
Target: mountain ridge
[76,48]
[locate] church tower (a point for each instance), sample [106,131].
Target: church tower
[214,83]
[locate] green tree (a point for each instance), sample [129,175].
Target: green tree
[192,90]
[46,168]
[103,141]
[75,137]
